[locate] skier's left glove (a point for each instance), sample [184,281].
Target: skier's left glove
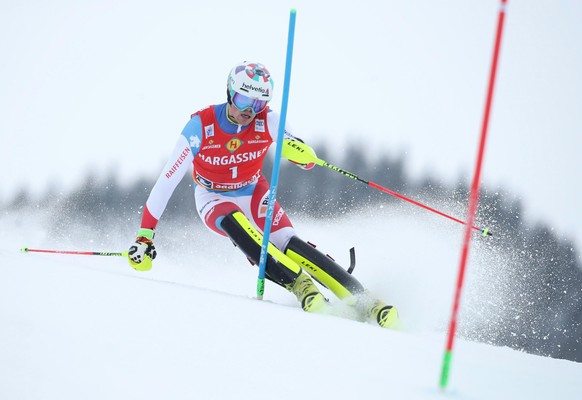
[142,252]
[304,148]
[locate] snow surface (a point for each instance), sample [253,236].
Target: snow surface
[88,327]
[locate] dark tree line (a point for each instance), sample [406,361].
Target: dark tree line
[544,293]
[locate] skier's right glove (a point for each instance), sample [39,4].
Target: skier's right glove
[142,252]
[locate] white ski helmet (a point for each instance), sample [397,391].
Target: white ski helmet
[251,80]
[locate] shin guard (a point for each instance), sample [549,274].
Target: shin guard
[323,269]
[279,269]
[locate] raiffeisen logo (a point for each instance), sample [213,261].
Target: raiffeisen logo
[255,89]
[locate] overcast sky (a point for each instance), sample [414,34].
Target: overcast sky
[108,85]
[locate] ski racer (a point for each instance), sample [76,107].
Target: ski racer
[226,144]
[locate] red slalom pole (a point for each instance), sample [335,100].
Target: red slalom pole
[81,253]
[473,201]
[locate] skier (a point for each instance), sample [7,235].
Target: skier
[227,143]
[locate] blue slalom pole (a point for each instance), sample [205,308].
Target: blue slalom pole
[275,174]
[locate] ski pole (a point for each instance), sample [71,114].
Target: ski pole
[275,173]
[82,253]
[300,153]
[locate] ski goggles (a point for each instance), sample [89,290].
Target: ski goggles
[243,103]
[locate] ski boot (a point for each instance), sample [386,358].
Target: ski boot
[385,316]
[308,294]
[370,308]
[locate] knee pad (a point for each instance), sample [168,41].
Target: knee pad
[279,269]
[321,267]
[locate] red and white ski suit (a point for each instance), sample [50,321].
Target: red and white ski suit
[227,164]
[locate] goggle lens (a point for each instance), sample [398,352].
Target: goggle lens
[243,103]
